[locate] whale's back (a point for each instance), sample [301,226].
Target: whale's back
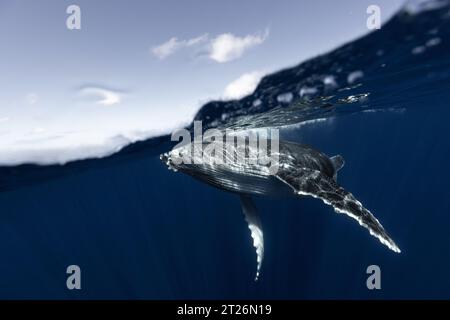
[294,155]
[255,179]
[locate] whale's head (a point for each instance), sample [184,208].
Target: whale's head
[237,157]
[178,158]
[168,159]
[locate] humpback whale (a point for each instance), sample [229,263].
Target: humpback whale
[300,171]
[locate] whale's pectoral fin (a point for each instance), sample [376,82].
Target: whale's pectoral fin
[254,224]
[305,181]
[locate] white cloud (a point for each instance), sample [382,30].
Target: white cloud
[227,47]
[242,86]
[5,119]
[166,49]
[104,97]
[47,148]
[195,41]
[173,45]
[223,48]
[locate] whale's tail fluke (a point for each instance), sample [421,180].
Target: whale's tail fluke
[314,183]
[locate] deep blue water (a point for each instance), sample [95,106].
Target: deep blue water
[138,230]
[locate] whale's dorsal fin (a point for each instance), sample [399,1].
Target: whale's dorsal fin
[254,224]
[314,183]
[338,162]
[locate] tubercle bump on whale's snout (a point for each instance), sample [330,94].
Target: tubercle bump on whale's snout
[165,157]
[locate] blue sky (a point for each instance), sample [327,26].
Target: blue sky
[141,68]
